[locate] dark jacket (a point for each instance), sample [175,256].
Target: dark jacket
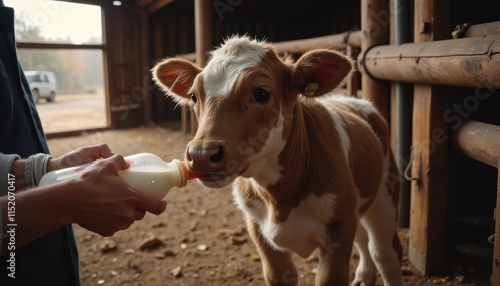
[51,259]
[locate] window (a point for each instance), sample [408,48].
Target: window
[43,21]
[61,48]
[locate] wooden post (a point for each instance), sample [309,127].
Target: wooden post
[353,82]
[429,194]
[375,18]
[203,30]
[144,50]
[495,277]
[203,39]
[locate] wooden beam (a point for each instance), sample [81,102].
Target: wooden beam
[337,41]
[375,17]
[483,29]
[461,62]
[479,141]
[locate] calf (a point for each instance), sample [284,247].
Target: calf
[309,169]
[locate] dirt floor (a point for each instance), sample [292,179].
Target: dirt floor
[200,239]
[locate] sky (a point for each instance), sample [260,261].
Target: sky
[58,19]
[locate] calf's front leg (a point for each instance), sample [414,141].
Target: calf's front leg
[335,253]
[278,266]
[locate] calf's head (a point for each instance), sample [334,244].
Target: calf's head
[246,102]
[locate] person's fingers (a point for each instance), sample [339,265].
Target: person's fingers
[105,151]
[117,162]
[151,204]
[98,151]
[139,214]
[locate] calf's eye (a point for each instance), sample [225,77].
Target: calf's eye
[260,95]
[194,98]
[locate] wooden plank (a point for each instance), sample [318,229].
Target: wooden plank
[495,277]
[427,241]
[479,141]
[428,194]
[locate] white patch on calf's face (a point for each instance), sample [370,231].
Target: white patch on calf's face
[228,62]
[264,168]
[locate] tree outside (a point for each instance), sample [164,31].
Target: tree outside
[77,71]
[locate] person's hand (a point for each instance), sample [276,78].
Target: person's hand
[80,156]
[104,202]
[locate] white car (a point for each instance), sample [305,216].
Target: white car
[43,84]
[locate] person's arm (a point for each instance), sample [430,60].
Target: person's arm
[5,172]
[6,168]
[14,165]
[98,199]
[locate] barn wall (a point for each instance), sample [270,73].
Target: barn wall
[172,28]
[123,70]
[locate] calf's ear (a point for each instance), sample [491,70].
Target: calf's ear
[320,71]
[175,76]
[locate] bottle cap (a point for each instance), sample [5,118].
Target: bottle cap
[186,175]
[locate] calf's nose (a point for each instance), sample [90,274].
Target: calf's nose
[204,160]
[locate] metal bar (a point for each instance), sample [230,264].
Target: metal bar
[404,99]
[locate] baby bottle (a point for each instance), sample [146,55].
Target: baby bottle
[147,172]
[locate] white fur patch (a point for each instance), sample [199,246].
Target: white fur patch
[365,106]
[264,169]
[228,62]
[339,126]
[303,231]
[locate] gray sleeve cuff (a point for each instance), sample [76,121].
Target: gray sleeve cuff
[5,166]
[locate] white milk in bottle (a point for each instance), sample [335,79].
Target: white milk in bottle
[147,172]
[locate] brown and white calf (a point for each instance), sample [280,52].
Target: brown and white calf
[309,169]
